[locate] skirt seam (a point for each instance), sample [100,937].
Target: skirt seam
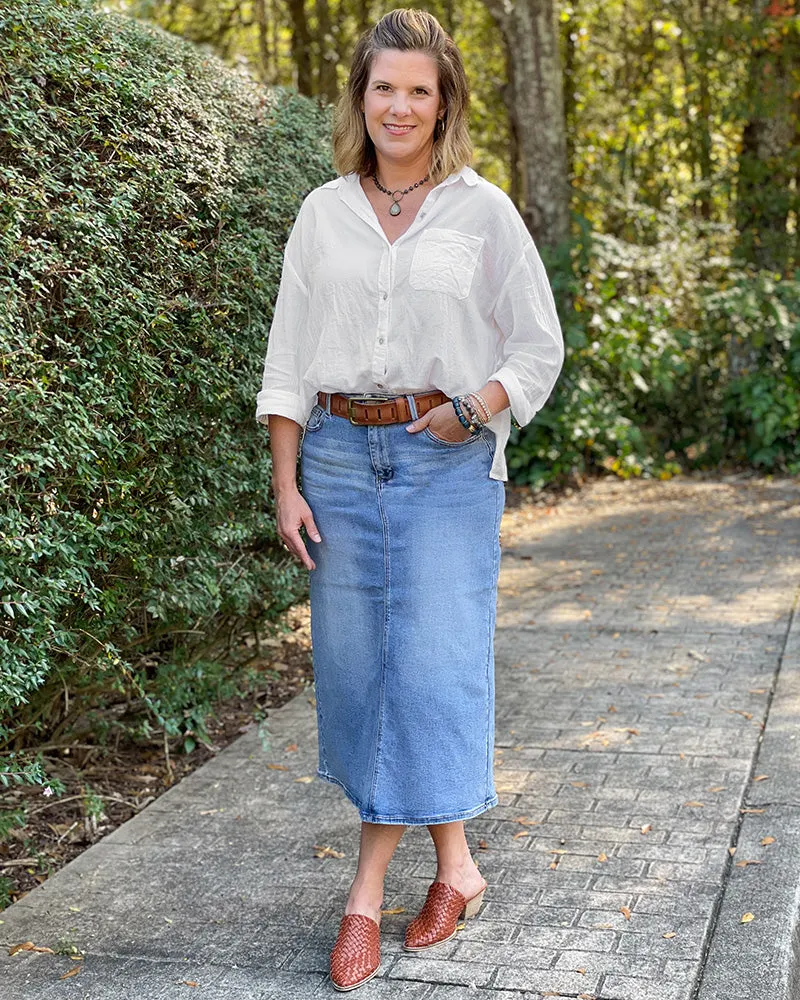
[500,506]
[384,644]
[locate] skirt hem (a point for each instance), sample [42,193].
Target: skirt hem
[371,817]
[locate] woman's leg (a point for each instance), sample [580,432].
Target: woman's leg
[378,843]
[454,860]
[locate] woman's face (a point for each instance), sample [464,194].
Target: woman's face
[402,90]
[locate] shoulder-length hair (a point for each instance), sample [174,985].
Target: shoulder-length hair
[406,30]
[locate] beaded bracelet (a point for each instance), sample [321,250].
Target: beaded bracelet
[472,410]
[482,402]
[465,422]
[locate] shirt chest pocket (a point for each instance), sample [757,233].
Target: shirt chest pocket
[444,261]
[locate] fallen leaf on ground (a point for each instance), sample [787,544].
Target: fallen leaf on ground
[482,844]
[290,748]
[761,777]
[306,778]
[278,767]
[625,911]
[71,972]
[692,802]
[731,851]
[752,810]
[745,862]
[521,833]
[579,784]
[646,828]
[767,841]
[747,917]
[698,656]
[395,909]
[670,934]
[29,946]
[188,982]
[602,856]
[717,788]
[327,852]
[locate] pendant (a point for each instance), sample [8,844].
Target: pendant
[395,209]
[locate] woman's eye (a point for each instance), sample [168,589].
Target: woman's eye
[385,86]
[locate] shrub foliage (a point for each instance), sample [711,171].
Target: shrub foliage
[146,192]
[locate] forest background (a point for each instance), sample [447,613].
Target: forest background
[657,146]
[153,154]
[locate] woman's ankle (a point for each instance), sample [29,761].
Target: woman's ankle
[368,890]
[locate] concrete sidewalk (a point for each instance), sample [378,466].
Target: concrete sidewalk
[644,641]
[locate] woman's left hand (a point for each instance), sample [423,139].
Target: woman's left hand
[443,424]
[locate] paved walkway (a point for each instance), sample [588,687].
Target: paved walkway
[644,638]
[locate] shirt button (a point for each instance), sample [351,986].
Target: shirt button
[385,295]
[380,340]
[379,385]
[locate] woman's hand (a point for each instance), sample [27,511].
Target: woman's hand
[293,513]
[443,423]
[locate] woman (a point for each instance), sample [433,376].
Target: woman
[413,312]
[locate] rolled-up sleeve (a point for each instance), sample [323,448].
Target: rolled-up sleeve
[531,352]
[283,390]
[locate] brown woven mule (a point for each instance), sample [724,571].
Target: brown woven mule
[356,956]
[438,919]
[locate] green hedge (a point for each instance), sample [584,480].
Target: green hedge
[145,195]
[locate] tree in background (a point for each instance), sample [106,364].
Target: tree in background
[768,192]
[535,104]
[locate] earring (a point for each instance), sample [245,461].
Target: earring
[442,126]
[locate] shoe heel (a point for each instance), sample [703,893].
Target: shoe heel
[473,905]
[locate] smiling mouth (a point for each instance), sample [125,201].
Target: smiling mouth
[398,129]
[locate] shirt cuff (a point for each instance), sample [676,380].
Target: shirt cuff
[284,404]
[521,409]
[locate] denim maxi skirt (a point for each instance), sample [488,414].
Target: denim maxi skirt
[403,606]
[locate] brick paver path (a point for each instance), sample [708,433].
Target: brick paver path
[640,629]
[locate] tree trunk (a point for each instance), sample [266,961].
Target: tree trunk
[301,46]
[537,114]
[328,56]
[266,67]
[766,167]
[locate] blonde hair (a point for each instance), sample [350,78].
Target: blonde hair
[406,30]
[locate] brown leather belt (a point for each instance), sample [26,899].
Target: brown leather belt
[374,409]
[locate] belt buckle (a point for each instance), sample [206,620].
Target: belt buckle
[363,399]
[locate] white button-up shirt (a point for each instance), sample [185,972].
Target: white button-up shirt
[461,298]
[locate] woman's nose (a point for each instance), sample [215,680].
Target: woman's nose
[400,104]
